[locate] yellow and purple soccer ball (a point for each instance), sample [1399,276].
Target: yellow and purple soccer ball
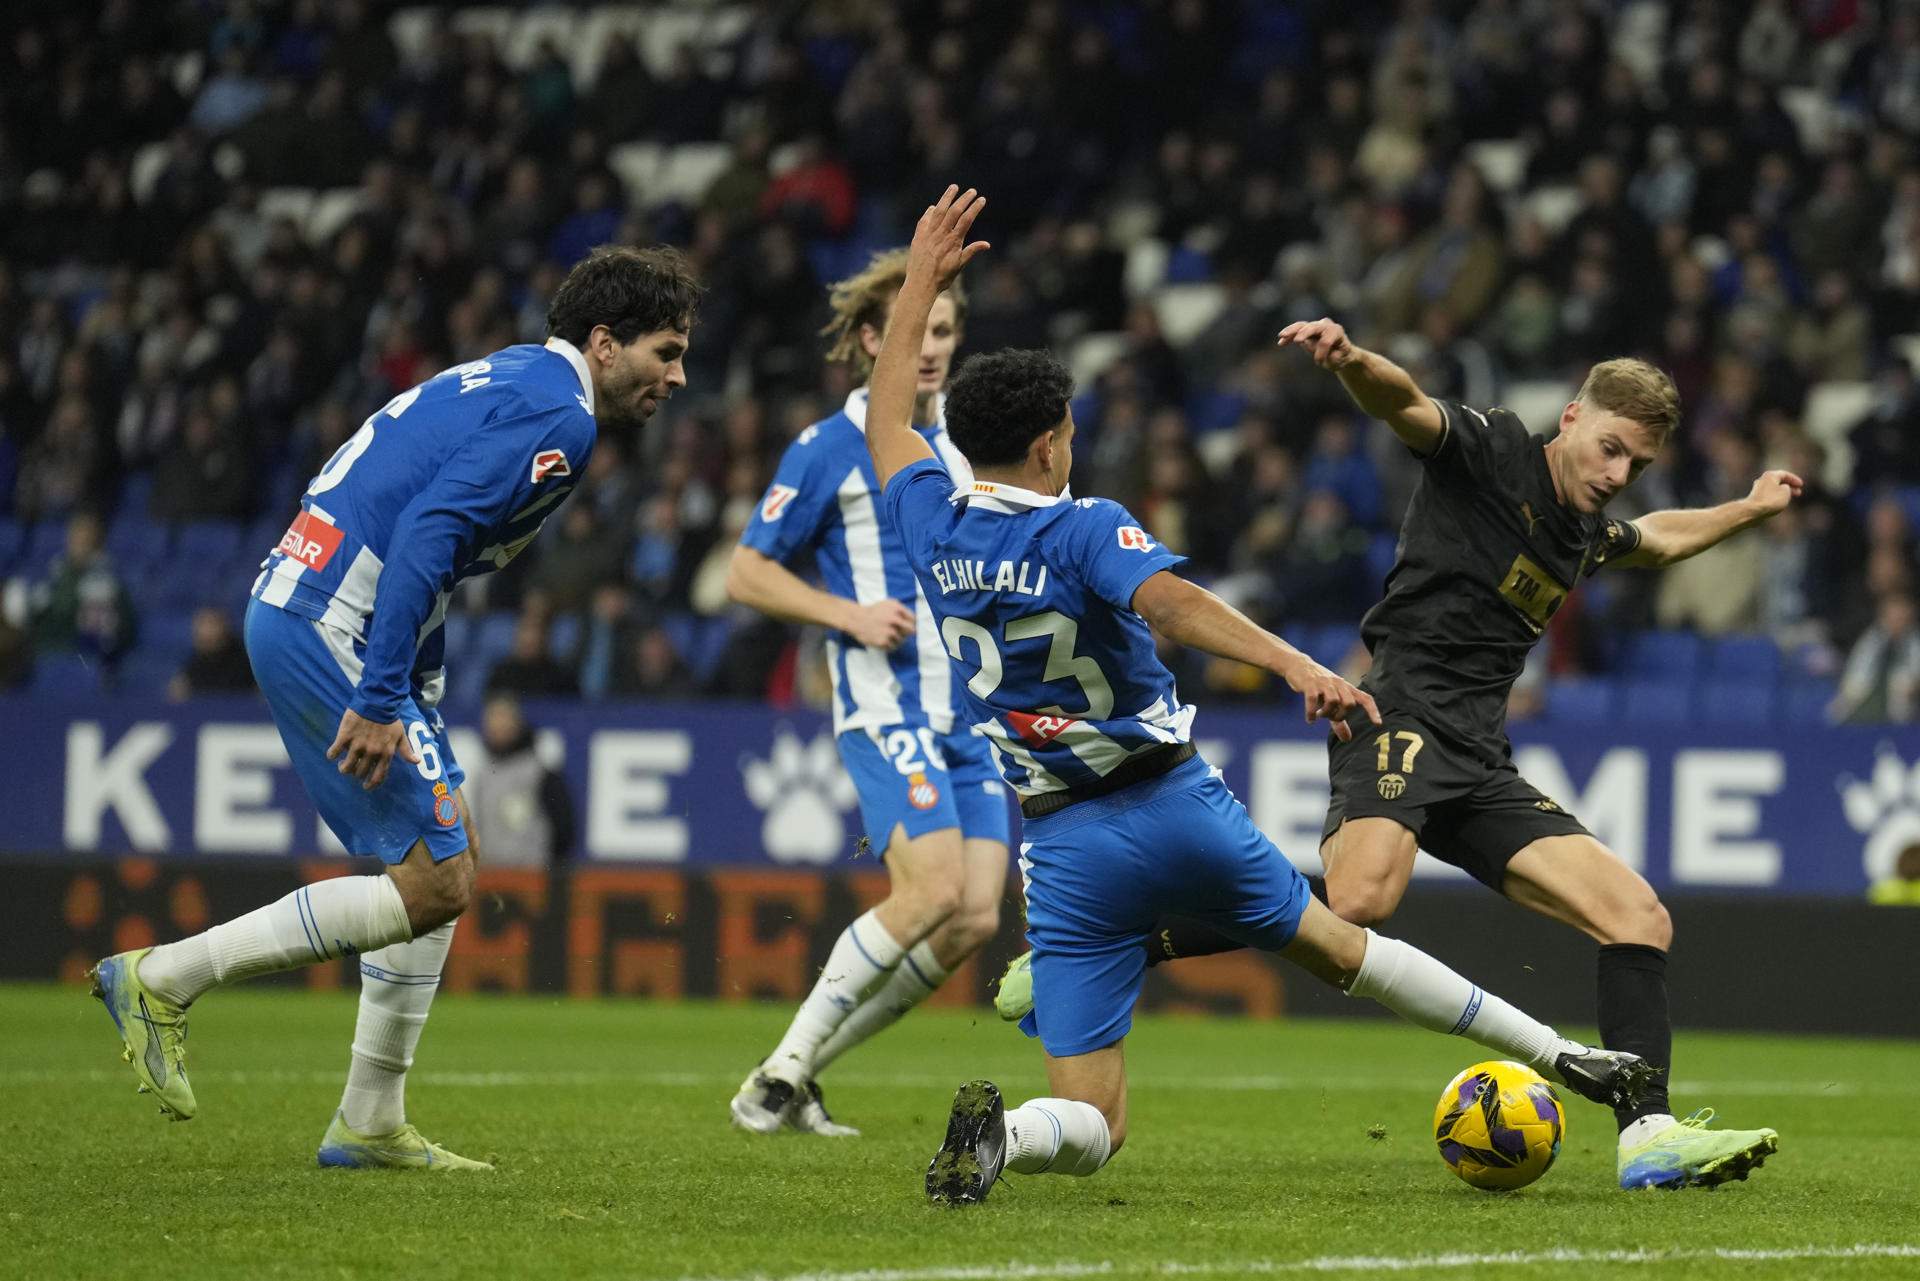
[1499,1125]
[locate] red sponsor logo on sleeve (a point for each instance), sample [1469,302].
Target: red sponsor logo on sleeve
[1134,538]
[1038,728]
[774,505]
[310,541]
[549,463]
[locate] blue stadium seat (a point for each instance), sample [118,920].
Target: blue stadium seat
[136,543]
[1737,702]
[713,635]
[1214,409]
[1752,659]
[493,639]
[563,639]
[1335,643]
[136,495]
[45,543]
[167,631]
[1188,266]
[145,673]
[1669,656]
[67,676]
[1381,549]
[1584,699]
[460,634]
[1660,701]
[1804,701]
[12,538]
[209,540]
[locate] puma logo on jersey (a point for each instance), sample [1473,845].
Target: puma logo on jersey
[1134,538]
[582,402]
[774,505]
[1526,514]
[549,463]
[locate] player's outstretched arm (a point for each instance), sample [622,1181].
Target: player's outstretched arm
[1190,614]
[762,583]
[938,252]
[1669,536]
[1381,388]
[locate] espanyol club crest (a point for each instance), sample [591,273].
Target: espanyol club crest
[445,812]
[549,463]
[921,793]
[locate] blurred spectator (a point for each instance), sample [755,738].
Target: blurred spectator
[1881,681]
[523,806]
[218,663]
[529,669]
[83,607]
[651,667]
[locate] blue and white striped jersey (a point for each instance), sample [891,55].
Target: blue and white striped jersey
[826,496]
[449,480]
[1035,601]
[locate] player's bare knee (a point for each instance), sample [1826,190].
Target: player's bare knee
[1647,923]
[974,924]
[1365,904]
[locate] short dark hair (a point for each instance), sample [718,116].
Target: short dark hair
[1001,400]
[630,291]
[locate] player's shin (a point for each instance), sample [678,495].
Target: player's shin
[1423,991]
[862,958]
[1056,1136]
[912,981]
[319,922]
[397,986]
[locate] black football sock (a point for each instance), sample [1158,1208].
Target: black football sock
[1633,1017]
[1179,937]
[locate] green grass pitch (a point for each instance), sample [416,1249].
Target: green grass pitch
[1251,1154]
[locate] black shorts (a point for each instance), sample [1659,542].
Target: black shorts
[1465,812]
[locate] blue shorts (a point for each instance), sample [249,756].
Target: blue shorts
[923,780]
[308,672]
[1100,874]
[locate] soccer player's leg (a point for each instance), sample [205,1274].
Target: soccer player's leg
[904,792]
[148,992]
[1572,877]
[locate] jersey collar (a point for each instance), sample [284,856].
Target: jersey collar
[579,363]
[1009,500]
[856,410]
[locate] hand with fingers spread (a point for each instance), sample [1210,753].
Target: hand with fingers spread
[884,624]
[1328,696]
[1774,490]
[940,249]
[366,748]
[1323,339]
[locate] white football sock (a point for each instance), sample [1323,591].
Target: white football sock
[1638,1132]
[1056,1136]
[1423,991]
[912,981]
[319,922]
[397,984]
[861,959]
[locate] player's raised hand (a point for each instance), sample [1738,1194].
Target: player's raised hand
[1323,339]
[366,748]
[940,247]
[882,624]
[1329,697]
[1774,490]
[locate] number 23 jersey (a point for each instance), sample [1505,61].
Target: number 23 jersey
[1034,598]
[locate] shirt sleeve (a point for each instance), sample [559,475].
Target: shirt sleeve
[1112,553]
[917,496]
[1469,444]
[1613,540]
[796,506]
[499,471]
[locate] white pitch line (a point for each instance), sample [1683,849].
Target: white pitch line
[1067,1270]
[928,1080]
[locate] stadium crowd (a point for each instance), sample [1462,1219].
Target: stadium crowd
[229,231]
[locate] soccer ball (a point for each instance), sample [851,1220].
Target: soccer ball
[1499,1125]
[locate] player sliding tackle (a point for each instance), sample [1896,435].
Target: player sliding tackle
[451,479]
[1044,604]
[1500,530]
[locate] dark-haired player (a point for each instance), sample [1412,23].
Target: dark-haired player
[451,479]
[929,794]
[1501,528]
[1044,603]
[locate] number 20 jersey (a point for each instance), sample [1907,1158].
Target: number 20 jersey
[1034,597]
[449,480]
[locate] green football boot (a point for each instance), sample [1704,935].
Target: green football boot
[154,1032]
[1014,1000]
[404,1149]
[1688,1155]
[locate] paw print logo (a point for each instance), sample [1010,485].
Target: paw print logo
[1885,808]
[805,796]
